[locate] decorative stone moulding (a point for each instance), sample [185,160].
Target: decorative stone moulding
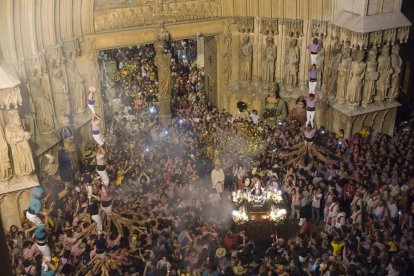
[36,64]
[319,28]
[269,26]
[10,96]
[245,24]
[294,27]
[364,40]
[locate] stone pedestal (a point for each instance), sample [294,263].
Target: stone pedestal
[15,195]
[380,117]
[165,112]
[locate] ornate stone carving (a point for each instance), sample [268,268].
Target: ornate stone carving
[371,76]
[396,63]
[385,72]
[319,28]
[336,57]
[375,39]
[294,27]
[227,53]
[343,74]
[359,40]
[75,81]
[292,64]
[245,24]
[246,58]
[5,167]
[59,85]
[356,78]
[269,57]
[388,37]
[17,138]
[402,34]
[269,26]
[87,67]
[152,12]
[39,90]
[10,96]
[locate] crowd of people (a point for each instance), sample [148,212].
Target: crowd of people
[146,204]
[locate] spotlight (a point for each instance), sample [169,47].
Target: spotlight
[166,132]
[147,150]
[152,109]
[181,121]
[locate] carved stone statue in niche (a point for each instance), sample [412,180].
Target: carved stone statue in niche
[269,58]
[246,58]
[88,67]
[320,64]
[61,96]
[333,66]
[18,139]
[163,62]
[292,64]
[5,167]
[385,72]
[75,83]
[343,74]
[396,63]
[371,76]
[39,90]
[356,78]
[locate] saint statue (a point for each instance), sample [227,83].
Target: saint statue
[385,72]
[18,139]
[61,98]
[396,63]
[298,113]
[343,74]
[42,104]
[356,79]
[246,58]
[163,63]
[5,167]
[371,76]
[269,58]
[76,87]
[275,107]
[292,64]
[333,66]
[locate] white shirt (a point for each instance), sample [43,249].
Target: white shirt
[316,200]
[217,179]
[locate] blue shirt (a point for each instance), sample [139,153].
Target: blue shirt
[35,205]
[40,232]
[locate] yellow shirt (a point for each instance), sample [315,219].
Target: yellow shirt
[337,248]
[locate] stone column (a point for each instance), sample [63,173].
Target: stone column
[200,52]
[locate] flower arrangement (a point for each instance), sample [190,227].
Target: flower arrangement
[239,197]
[274,198]
[277,215]
[240,216]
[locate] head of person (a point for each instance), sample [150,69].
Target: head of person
[315,41]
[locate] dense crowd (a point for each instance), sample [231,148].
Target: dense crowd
[161,215]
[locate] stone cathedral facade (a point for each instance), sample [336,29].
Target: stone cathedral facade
[48,58]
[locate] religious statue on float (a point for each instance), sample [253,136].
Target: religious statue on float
[297,116]
[163,63]
[18,139]
[275,108]
[67,156]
